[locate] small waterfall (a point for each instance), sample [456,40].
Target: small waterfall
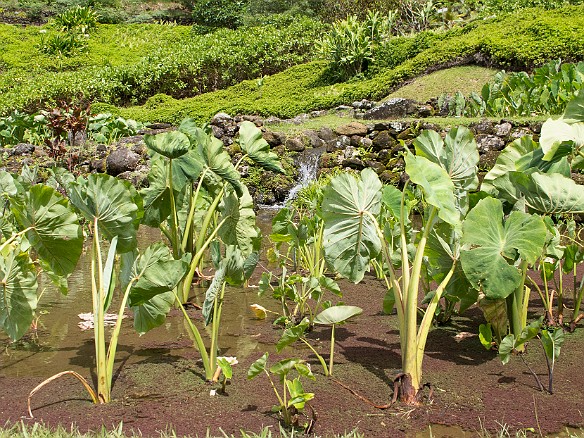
[307,163]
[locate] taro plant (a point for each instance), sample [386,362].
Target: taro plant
[358,230]
[112,209]
[292,397]
[39,231]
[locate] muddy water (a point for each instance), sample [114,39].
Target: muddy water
[58,343]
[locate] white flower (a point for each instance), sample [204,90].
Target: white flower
[231,360]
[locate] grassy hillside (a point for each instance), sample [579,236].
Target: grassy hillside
[519,40]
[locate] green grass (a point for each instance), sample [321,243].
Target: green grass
[38,430]
[465,79]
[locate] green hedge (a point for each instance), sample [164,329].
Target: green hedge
[521,40]
[127,64]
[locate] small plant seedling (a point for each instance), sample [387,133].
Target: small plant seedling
[291,398]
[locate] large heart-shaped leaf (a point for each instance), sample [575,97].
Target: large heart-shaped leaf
[549,193]
[152,313]
[171,144]
[574,112]
[350,233]
[239,226]
[437,186]
[457,154]
[258,149]
[114,203]
[7,184]
[337,314]
[155,272]
[156,197]
[555,132]
[54,232]
[18,286]
[494,245]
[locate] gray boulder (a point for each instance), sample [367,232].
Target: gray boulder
[393,109]
[122,160]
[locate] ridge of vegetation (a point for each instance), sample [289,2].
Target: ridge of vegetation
[520,40]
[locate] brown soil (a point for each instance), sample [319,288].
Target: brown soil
[471,388]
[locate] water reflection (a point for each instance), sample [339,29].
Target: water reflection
[59,344]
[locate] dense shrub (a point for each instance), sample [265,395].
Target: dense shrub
[516,41]
[219,13]
[168,60]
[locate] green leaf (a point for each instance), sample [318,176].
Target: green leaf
[152,313]
[155,272]
[283,367]
[258,149]
[388,302]
[555,132]
[549,193]
[211,294]
[552,340]
[292,334]
[457,154]
[486,336]
[18,287]
[496,244]
[528,333]
[350,233]
[225,367]
[114,203]
[391,198]
[506,348]
[109,275]
[7,184]
[55,235]
[437,186]
[330,284]
[303,369]
[171,144]
[337,314]
[574,112]
[239,227]
[156,197]
[257,367]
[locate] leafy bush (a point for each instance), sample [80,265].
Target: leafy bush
[219,13]
[499,6]
[508,42]
[62,44]
[80,19]
[546,91]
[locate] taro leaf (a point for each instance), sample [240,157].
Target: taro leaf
[283,226]
[55,232]
[457,154]
[554,133]
[109,274]
[239,221]
[495,312]
[283,367]
[552,340]
[389,302]
[211,294]
[528,333]
[155,272]
[486,336]
[114,203]
[574,112]
[156,197]
[495,245]
[437,186]
[7,184]
[18,299]
[173,144]
[257,367]
[506,348]
[337,314]
[549,193]
[520,155]
[350,234]
[239,268]
[225,367]
[152,313]
[298,397]
[391,198]
[258,149]
[331,285]
[292,334]
[214,158]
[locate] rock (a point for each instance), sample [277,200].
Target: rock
[358,141]
[256,120]
[295,145]
[272,138]
[578,178]
[318,113]
[484,127]
[425,111]
[354,163]
[340,142]
[488,159]
[405,135]
[157,126]
[350,152]
[98,165]
[311,139]
[383,140]
[487,143]
[392,109]
[140,149]
[520,132]
[329,160]
[218,132]
[221,119]
[375,165]
[390,177]
[300,119]
[121,160]
[326,134]
[23,149]
[503,129]
[395,128]
[363,104]
[353,128]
